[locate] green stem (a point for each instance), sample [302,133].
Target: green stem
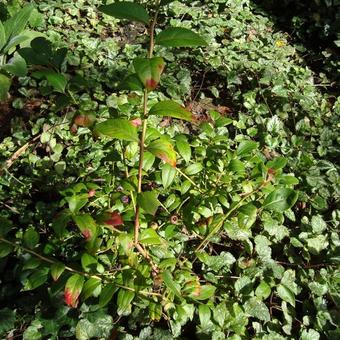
[142,137]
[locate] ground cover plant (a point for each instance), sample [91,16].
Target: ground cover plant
[169,171]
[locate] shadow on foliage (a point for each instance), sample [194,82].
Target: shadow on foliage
[314,26]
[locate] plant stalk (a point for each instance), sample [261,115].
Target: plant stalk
[142,139]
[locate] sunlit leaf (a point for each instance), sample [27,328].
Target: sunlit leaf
[126,10]
[118,128]
[164,150]
[170,108]
[149,202]
[149,71]
[179,37]
[73,289]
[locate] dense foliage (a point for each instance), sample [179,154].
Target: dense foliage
[226,227]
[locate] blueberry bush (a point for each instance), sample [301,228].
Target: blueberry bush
[169,170]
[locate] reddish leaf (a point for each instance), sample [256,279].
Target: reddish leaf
[91,193]
[114,219]
[164,150]
[84,120]
[87,234]
[73,289]
[136,122]
[149,71]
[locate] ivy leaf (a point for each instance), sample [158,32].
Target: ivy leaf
[179,37]
[280,200]
[126,10]
[118,128]
[149,71]
[73,289]
[149,202]
[256,308]
[170,108]
[263,290]
[204,314]
[164,150]
[286,294]
[124,300]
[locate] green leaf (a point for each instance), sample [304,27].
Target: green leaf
[318,224]
[3,38]
[148,160]
[126,10]
[107,294]
[257,309]
[124,300]
[73,289]
[183,147]
[204,314]
[237,166]
[205,292]
[5,84]
[56,270]
[168,175]
[171,109]
[118,128]
[16,66]
[164,150]
[7,318]
[150,237]
[316,244]
[31,238]
[56,80]
[286,294]
[5,249]
[132,82]
[246,147]
[149,202]
[179,37]
[171,284]
[149,71]
[277,163]
[86,225]
[76,202]
[36,279]
[17,22]
[88,262]
[194,169]
[263,290]
[247,215]
[90,287]
[280,199]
